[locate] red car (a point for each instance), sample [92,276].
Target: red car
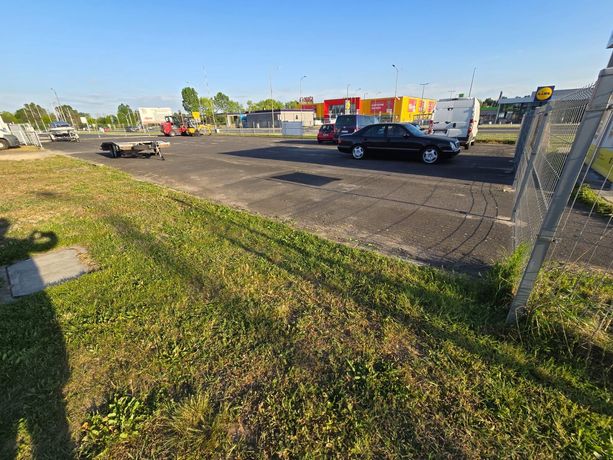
[326,133]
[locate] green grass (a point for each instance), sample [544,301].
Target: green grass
[497,138]
[209,332]
[591,198]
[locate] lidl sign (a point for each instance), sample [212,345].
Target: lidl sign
[543,93]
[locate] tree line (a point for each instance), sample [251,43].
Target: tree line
[222,103]
[210,108]
[40,118]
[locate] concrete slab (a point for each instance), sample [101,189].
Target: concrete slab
[35,274]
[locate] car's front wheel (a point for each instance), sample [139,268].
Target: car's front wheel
[430,155]
[358,152]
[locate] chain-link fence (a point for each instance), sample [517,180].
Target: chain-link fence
[562,214]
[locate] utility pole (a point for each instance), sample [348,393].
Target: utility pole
[395,92]
[471,82]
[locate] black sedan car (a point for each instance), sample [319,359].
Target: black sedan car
[400,137]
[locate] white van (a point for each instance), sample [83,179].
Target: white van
[456,117]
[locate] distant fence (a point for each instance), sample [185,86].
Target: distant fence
[557,148]
[25,133]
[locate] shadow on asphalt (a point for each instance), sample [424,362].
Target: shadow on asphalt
[480,168]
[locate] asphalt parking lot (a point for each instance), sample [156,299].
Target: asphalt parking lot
[454,214]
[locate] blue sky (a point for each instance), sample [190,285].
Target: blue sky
[97,54]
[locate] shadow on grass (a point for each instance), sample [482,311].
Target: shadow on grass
[33,365]
[275,332]
[447,297]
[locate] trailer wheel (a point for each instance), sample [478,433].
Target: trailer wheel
[4,144]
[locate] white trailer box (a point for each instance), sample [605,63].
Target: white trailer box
[153,115]
[292,128]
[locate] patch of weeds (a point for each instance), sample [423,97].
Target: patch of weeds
[503,277]
[200,425]
[571,315]
[591,198]
[118,420]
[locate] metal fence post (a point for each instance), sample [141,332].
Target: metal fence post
[586,132]
[540,117]
[526,125]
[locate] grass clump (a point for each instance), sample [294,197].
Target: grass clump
[241,337]
[591,198]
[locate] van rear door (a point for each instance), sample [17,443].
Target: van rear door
[441,118]
[452,117]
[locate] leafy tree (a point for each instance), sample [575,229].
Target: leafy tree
[8,117]
[207,110]
[223,104]
[126,115]
[34,114]
[292,105]
[190,99]
[266,104]
[489,102]
[68,114]
[107,120]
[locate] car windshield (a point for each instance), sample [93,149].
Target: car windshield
[414,130]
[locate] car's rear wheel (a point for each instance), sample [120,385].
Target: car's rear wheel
[430,155]
[319,141]
[358,152]
[4,144]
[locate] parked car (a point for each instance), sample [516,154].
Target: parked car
[456,117]
[347,124]
[326,133]
[399,137]
[8,140]
[132,129]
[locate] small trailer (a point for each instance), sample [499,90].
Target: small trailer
[140,148]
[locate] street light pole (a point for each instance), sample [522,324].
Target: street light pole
[272,105]
[300,91]
[395,92]
[300,98]
[471,82]
[423,87]
[348,85]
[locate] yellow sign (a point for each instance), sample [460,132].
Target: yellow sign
[347,105]
[196,115]
[603,163]
[543,93]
